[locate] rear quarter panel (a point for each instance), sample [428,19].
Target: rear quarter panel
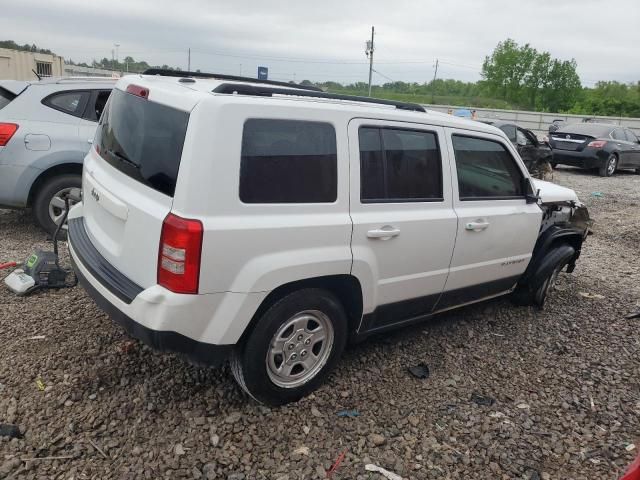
[257,247]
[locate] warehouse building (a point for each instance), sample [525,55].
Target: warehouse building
[20,65]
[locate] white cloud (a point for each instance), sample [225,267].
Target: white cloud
[602,36]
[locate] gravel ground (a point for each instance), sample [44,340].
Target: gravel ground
[562,385]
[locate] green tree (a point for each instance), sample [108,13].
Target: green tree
[524,76]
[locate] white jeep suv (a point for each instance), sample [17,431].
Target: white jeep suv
[268,224]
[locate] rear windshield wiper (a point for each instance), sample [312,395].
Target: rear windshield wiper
[124,158]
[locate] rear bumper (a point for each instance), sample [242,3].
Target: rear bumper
[586,159]
[104,285]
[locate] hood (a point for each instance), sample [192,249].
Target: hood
[551,193]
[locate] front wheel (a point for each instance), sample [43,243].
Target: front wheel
[292,348]
[609,167]
[543,281]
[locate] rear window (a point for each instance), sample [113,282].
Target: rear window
[143,139]
[5,97]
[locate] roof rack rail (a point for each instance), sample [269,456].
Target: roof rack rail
[177,73]
[257,90]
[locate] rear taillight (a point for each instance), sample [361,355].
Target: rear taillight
[138,91]
[597,144]
[179,255]
[6,132]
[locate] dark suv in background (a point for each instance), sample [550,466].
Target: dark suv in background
[596,145]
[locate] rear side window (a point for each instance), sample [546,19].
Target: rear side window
[398,165]
[618,134]
[486,170]
[96,105]
[5,97]
[631,136]
[72,103]
[288,161]
[142,139]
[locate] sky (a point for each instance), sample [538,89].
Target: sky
[325,40]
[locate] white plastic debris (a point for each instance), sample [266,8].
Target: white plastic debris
[370,467]
[630,447]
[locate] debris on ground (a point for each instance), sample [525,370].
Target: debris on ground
[631,315]
[420,371]
[348,413]
[594,296]
[302,451]
[336,464]
[9,430]
[597,194]
[482,400]
[40,384]
[370,467]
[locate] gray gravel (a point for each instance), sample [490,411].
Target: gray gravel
[92,403]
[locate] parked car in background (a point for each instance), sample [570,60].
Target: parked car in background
[46,129]
[537,155]
[596,145]
[269,223]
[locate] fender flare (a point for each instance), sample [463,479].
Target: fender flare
[550,238]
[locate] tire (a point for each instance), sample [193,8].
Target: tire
[609,167]
[261,370]
[542,282]
[46,207]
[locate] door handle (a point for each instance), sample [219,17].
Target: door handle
[90,141]
[477,226]
[385,233]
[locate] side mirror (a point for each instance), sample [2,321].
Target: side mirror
[533,198]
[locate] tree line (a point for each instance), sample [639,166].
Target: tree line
[513,77]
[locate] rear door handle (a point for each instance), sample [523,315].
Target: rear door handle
[477,226]
[385,233]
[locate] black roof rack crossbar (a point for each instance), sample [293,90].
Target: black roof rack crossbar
[177,73]
[257,90]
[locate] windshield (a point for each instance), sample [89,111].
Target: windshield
[142,139]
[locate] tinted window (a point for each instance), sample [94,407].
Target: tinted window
[510,130]
[401,165]
[288,161]
[631,136]
[72,103]
[142,139]
[486,169]
[97,104]
[618,134]
[5,97]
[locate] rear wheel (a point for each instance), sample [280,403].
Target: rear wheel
[609,167]
[48,204]
[292,348]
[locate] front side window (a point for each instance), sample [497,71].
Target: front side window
[96,105]
[486,170]
[288,161]
[631,136]
[72,103]
[399,165]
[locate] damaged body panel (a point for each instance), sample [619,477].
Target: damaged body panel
[565,221]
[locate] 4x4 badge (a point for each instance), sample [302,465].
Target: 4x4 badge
[95,195]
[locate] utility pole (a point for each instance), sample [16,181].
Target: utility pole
[369,52]
[433,84]
[240,69]
[189,60]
